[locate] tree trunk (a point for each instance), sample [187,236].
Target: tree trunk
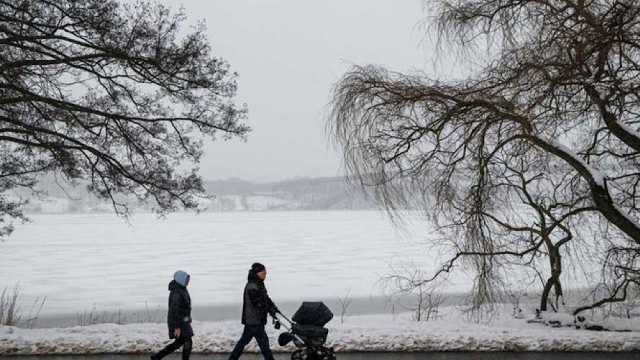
[545,294]
[555,261]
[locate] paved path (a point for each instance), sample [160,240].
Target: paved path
[372,356]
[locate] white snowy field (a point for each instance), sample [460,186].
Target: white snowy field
[357,333]
[98,262]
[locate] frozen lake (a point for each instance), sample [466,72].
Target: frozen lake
[97,261]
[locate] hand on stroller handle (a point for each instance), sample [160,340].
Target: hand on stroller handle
[276,320]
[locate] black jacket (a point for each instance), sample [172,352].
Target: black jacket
[256,302]
[179,315]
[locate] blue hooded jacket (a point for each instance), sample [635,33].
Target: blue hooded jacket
[179,315]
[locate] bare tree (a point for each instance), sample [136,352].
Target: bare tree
[120,96]
[345,303]
[535,220]
[428,298]
[557,100]
[620,279]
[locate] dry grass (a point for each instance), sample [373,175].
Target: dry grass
[93,317]
[12,314]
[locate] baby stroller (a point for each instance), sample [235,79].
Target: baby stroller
[308,333]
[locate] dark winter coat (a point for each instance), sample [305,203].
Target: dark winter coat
[256,302]
[179,315]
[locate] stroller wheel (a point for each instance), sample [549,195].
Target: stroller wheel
[299,354]
[328,354]
[313,354]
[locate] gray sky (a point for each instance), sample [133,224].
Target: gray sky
[289,53]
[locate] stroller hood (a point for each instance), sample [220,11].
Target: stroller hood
[313,313]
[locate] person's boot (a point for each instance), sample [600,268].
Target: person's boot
[164,352]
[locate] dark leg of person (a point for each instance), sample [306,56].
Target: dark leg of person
[263,343]
[186,348]
[169,349]
[246,337]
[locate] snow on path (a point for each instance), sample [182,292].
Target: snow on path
[358,333]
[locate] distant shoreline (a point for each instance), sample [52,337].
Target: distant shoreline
[148,212]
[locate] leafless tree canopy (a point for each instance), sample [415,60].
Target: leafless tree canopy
[121,96]
[550,122]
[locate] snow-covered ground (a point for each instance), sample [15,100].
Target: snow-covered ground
[357,333]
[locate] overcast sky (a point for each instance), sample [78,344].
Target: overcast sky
[289,53]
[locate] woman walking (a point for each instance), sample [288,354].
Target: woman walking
[178,317]
[255,307]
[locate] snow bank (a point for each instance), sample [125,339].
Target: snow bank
[358,333]
[584,322]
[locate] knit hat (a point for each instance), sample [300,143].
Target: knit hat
[257,267]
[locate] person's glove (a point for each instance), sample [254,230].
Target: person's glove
[276,322]
[274,311]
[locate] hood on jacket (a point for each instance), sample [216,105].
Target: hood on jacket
[181,278]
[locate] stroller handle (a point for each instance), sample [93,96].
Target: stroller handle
[290,327]
[284,317]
